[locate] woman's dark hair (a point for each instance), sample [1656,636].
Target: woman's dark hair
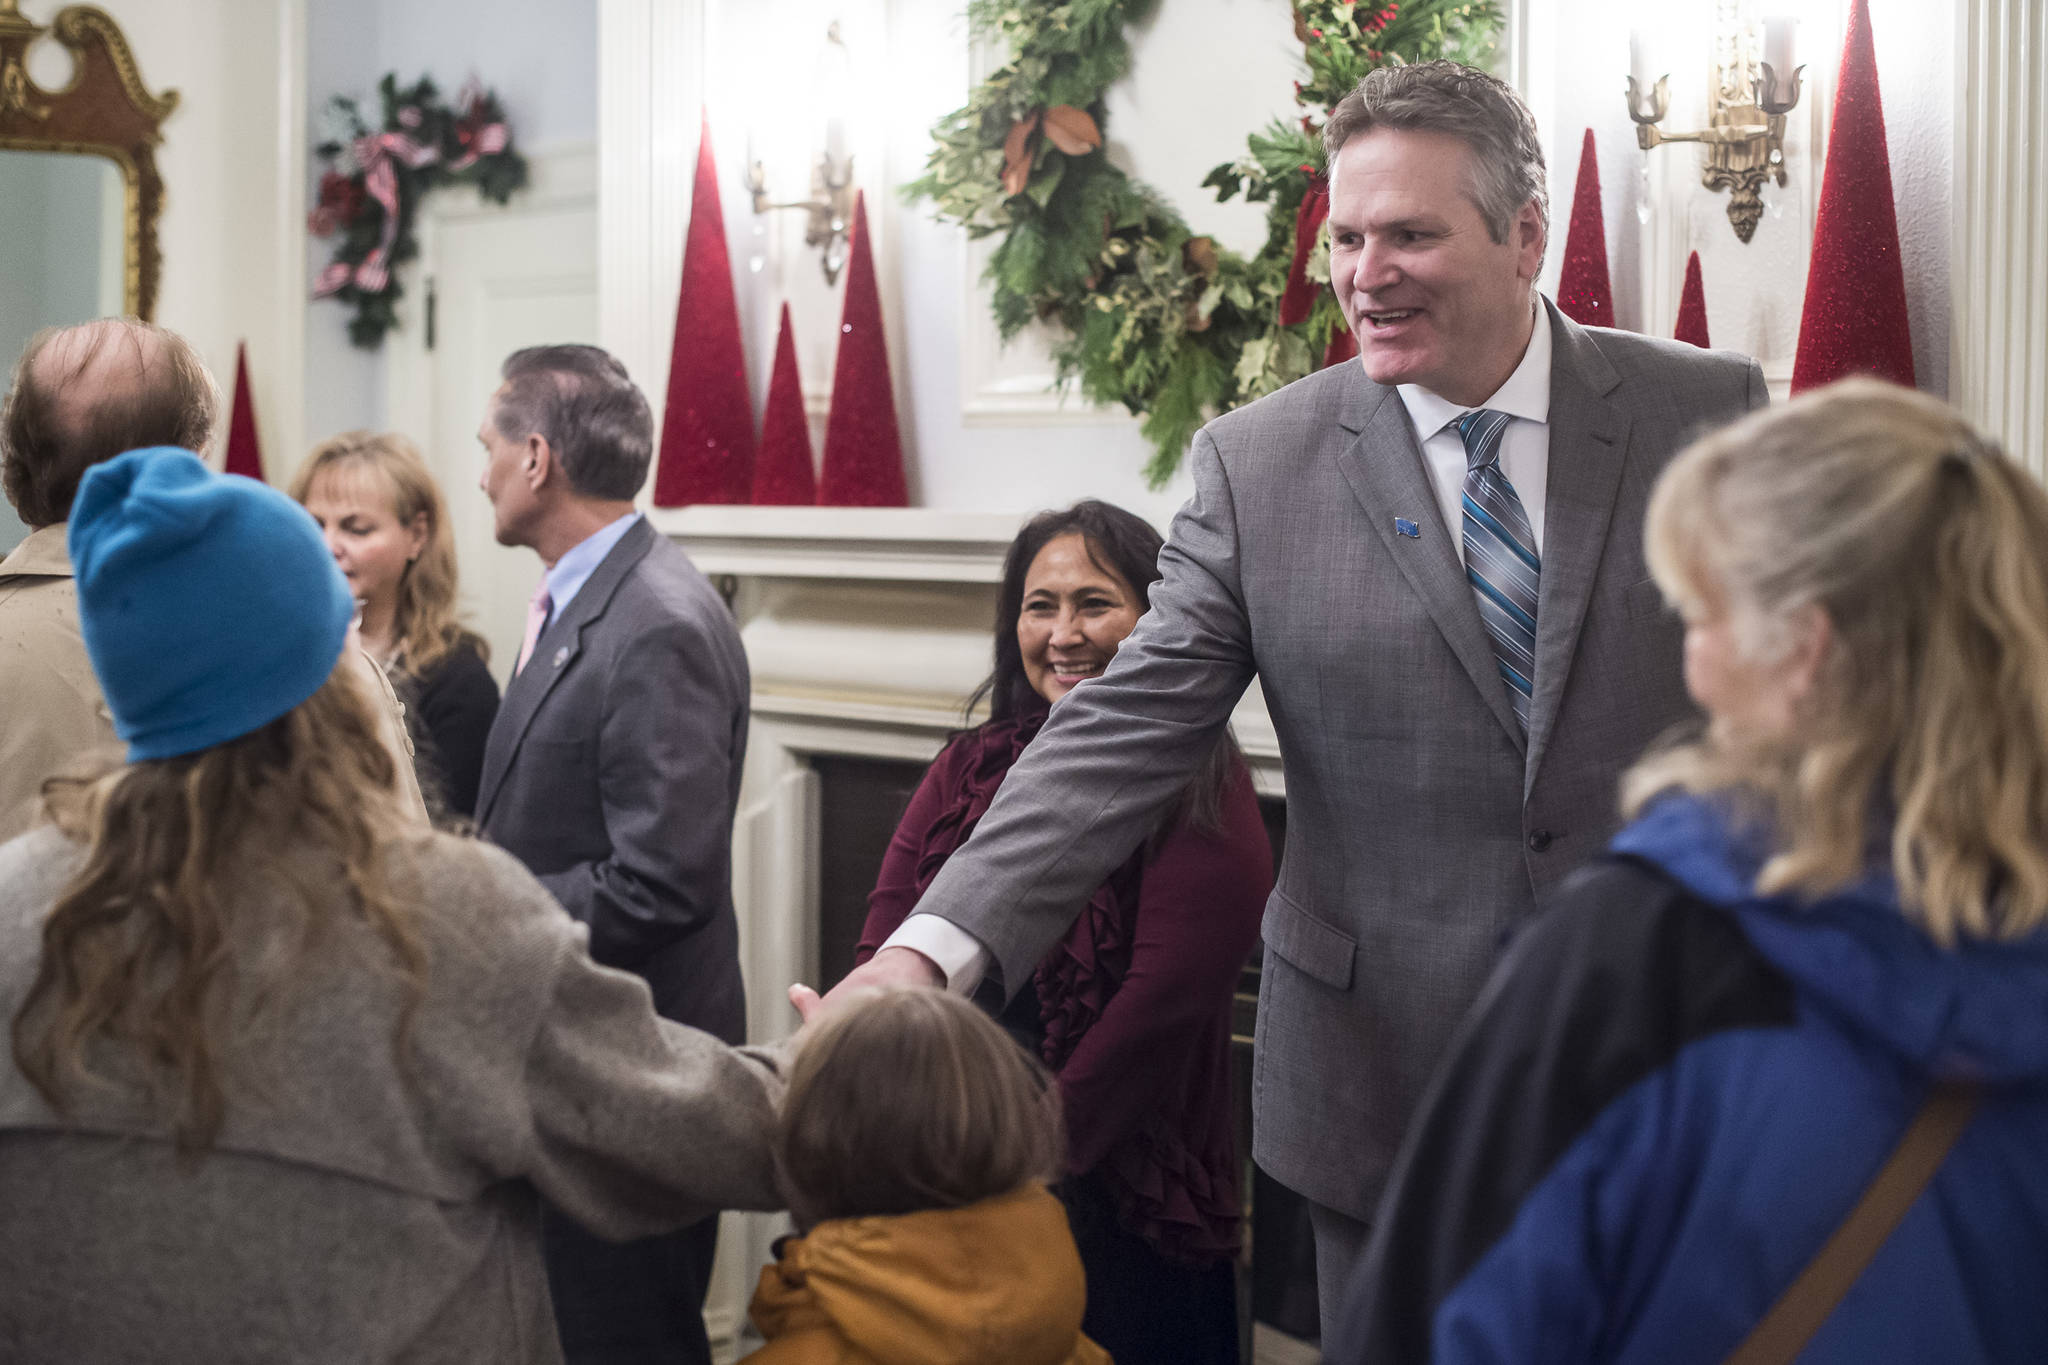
[1123,545]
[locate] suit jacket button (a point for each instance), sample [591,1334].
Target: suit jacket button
[1540,840]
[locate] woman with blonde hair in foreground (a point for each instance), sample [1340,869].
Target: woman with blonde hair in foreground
[289,1076]
[916,1143]
[1770,1080]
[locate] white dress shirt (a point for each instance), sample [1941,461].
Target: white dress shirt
[1524,459]
[1524,446]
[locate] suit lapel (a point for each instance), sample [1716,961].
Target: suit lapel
[554,653]
[1384,468]
[1588,447]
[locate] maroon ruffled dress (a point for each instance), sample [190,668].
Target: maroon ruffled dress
[1134,1002]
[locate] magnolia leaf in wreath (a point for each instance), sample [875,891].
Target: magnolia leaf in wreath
[1071,130]
[1200,255]
[1017,151]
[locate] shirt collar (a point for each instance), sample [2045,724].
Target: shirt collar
[1526,393]
[574,569]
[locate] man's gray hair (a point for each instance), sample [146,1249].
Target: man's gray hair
[1481,111]
[593,416]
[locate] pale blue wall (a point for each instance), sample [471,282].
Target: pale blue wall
[541,58]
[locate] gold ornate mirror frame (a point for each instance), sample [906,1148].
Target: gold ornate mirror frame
[104,111]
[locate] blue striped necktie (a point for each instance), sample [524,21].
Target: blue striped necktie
[1500,557]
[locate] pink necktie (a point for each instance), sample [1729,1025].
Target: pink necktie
[536,617]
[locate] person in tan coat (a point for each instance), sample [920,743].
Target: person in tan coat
[914,1142]
[82,395]
[289,1076]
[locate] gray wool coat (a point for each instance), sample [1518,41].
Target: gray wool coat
[350,1213]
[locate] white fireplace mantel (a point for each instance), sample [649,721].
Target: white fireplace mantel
[876,616]
[881,544]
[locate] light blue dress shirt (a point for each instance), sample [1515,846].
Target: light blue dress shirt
[574,569]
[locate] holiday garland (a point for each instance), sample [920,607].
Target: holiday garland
[1147,313]
[372,188]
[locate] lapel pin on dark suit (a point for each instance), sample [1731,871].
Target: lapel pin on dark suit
[1405,527]
[561,656]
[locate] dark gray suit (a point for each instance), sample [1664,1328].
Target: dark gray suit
[1420,825]
[613,772]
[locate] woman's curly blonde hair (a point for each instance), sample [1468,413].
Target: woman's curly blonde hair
[1925,739]
[154,938]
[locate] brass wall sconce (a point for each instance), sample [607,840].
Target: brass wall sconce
[830,205]
[1745,133]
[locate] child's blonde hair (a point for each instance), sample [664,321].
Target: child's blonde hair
[909,1099]
[1927,548]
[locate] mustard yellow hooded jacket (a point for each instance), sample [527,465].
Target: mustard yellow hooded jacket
[997,1281]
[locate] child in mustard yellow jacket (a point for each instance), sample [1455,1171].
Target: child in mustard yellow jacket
[915,1142]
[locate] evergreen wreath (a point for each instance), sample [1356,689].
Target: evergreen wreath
[1148,313]
[371,190]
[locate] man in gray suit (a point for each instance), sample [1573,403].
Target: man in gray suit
[613,771]
[1433,562]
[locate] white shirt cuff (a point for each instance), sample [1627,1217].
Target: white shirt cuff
[956,953]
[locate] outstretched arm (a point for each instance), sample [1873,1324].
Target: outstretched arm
[639,1125]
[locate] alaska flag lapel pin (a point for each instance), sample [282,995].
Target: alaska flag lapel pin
[1405,527]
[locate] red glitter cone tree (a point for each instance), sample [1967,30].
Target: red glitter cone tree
[707,427]
[245,451]
[1692,306]
[1583,292]
[782,466]
[1854,321]
[863,453]
[1343,346]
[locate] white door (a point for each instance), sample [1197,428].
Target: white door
[491,279]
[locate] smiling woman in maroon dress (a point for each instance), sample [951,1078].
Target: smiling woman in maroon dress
[1131,1010]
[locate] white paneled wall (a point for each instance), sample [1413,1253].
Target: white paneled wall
[232,160]
[1573,64]
[2000,347]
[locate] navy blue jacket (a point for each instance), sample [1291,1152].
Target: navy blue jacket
[1673,1091]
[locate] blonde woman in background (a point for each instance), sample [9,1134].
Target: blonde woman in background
[387,526]
[1823,929]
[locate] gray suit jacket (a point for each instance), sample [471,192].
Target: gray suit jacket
[1420,826]
[613,773]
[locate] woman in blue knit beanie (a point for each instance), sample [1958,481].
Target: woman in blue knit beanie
[289,1075]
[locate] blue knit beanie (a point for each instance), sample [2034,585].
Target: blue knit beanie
[210,603]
